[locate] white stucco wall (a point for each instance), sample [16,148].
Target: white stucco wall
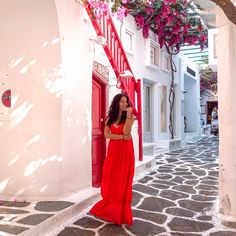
[76,127]
[179,97]
[47,139]
[226,50]
[187,96]
[212,42]
[30,155]
[190,104]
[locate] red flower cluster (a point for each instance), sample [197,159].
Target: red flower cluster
[174,21]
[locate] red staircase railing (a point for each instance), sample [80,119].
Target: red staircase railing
[115,52]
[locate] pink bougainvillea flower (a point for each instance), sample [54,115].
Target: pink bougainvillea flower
[139,19]
[169,19]
[149,10]
[105,7]
[161,41]
[150,2]
[146,31]
[170,1]
[120,14]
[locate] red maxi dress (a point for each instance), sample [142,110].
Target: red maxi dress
[117,178]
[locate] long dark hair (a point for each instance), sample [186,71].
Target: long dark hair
[114,109]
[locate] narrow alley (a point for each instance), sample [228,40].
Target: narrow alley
[178,198]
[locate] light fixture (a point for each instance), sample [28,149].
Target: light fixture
[126,74]
[99,39]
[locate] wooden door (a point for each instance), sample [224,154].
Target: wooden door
[98,140]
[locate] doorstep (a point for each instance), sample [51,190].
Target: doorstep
[144,167]
[40,218]
[45,217]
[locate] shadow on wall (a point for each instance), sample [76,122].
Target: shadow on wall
[28,137]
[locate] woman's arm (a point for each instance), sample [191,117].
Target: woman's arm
[129,121]
[109,135]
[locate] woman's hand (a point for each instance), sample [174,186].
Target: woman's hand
[127,137]
[129,121]
[129,111]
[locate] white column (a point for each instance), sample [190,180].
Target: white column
[226,50]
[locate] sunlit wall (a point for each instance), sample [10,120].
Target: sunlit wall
[45,137]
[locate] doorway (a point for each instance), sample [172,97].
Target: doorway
[210,106]
[147,116]
[98,122]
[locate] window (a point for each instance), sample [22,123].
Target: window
[152,53]
[147,108]
[166,62]
[163,90]
[174,112]
[129,41]
[191,72]
[212,43]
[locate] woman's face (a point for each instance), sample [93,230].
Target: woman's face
[123,104]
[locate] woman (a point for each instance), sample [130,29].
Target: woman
[118,169]
[214,114]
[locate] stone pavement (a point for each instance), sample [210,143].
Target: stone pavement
[179,198]
[17,217]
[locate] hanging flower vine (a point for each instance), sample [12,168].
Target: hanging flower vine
[174,22]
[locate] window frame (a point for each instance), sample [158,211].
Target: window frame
[132,34]
[150,43]
[163,108]
[166,62]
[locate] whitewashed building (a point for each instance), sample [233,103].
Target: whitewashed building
[151,64]
[55,69]
[210,100]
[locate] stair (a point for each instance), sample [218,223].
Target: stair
[160,150]
[115,52]
[148,149]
